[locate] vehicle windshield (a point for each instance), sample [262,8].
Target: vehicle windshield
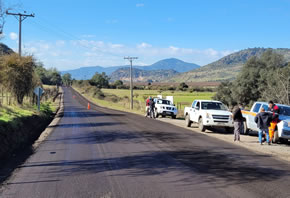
[284,110]
[165,102]
[213,106]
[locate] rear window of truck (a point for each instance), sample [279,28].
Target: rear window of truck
[257,107]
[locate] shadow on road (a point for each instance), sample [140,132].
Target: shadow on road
[214,167]
[80,125]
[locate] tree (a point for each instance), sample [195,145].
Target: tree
[118,84]
[278,87]
[3,10]
[183,85]
[66,79]
[54,77]
[261,78]
[100,80]
[246,88]
[19,75]
[224,93]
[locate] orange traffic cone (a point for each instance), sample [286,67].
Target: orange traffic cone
[89,106]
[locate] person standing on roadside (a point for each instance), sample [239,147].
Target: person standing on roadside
[147,106]
[152,107]
[263,120]
[275,119]
[238,121]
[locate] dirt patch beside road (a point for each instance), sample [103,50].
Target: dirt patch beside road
[280,151]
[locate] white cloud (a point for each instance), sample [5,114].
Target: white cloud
[140,5]
[13,36]
[76,53]
[144,45]
[2,35]
[88,36]
[60,43]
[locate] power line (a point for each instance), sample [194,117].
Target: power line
[20,17]
[131,78]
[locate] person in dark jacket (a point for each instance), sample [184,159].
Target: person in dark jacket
[238,121]
[263,120]
[152,108]
[275,119]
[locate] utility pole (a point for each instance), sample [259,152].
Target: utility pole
[20,17]
[131,77]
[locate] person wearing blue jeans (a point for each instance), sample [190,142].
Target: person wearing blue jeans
[263,120]
[266,130]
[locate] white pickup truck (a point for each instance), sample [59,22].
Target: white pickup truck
[283,127]
[209,113]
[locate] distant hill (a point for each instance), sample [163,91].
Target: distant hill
[171,64]
[4,50]
[226,68]
[166,64]
[140,75]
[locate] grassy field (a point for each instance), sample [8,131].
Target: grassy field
[8,113]
[179,96]
[119,98]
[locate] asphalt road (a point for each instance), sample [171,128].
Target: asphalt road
[106,153]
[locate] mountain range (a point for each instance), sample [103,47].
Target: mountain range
[167,65]
[226,68]
[140,75]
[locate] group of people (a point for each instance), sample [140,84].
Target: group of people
[266,122]
[150,107]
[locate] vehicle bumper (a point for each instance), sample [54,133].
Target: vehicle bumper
[285,133]
[169,113]
[218,123]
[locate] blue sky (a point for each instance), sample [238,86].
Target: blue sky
[68,34]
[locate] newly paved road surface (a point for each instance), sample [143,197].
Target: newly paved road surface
[105,153]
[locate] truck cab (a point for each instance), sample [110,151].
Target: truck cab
[208,113]
[283,128]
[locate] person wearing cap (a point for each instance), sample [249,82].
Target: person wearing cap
[275,119]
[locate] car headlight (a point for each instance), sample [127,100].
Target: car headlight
[208,115]
[286,123]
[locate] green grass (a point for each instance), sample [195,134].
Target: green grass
[8,114]
[178,96]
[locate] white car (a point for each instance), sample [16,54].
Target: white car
[165,108]
[209,113]
[283,127]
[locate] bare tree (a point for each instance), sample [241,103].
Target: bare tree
[278,86]
[2,16]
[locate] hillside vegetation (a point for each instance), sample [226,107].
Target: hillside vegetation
[227,68]
[140,75]
[263,78]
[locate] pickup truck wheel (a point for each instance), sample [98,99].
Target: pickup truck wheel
[283,141]
[245,129]
[173,117]
[200,125]
[229,129]
[187,121]
[156,114]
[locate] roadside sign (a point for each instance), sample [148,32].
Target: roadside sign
[38,91]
